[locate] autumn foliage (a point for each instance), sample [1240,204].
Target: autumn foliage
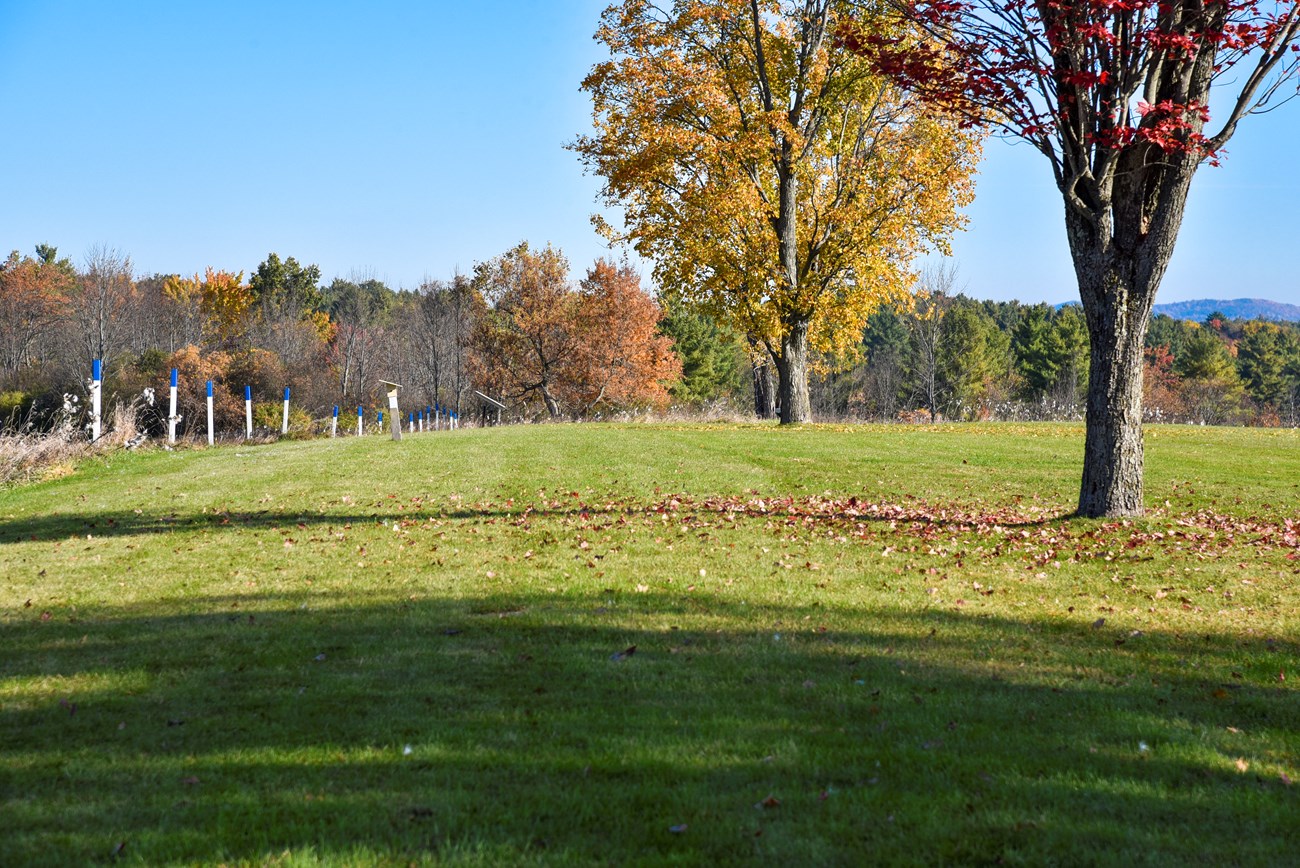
[774,181]
[577,351]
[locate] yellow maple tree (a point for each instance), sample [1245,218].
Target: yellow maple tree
[767,174]
[222,298]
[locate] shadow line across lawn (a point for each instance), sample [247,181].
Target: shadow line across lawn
[519,728]
[62,525]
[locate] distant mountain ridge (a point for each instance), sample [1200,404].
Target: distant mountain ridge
[1237,308]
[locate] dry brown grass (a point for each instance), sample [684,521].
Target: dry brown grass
[33,457]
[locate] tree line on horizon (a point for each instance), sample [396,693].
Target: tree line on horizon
[519,329]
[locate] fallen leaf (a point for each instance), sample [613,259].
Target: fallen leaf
[770,802]
[1241,765]
[624,654]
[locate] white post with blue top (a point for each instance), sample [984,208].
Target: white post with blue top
[211,431]
[248,412]
[361,421]
[172,419]
[96,397]
[284,426]
[334,422]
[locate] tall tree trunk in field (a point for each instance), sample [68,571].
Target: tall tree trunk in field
[1119,258]
[792,366]
[1113,452]
[764,387]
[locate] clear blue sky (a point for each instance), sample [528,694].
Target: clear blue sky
[410,139]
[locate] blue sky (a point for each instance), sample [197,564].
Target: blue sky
[406,140]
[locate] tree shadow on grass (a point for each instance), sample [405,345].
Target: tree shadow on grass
[109,524]
[524,728]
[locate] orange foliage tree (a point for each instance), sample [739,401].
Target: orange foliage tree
[622,360]
[193,370]
[576,351]
[32,293]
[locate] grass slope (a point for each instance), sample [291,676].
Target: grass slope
[852,645]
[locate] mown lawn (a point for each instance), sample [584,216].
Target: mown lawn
[647,644]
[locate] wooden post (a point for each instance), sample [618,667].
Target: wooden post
[394,417]
[171,414]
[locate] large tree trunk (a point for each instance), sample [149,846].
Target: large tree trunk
[1119,261]
[792,369]
[1112,452]
[764,389]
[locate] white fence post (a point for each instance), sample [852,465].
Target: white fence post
[334,422]
[96,397]
[284,426]
[211,432]
[171,414]
[248,412]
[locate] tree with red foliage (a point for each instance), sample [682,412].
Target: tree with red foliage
[1115,94]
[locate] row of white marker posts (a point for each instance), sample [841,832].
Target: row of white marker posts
[431,418]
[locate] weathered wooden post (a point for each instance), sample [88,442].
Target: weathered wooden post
[248,412]
[96,397]
[284,426]
[394,417]
[171,413]
[211,431]
[334,422]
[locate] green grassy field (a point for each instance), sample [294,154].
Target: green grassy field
[654,645]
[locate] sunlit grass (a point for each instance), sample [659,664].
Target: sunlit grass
[361,652]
